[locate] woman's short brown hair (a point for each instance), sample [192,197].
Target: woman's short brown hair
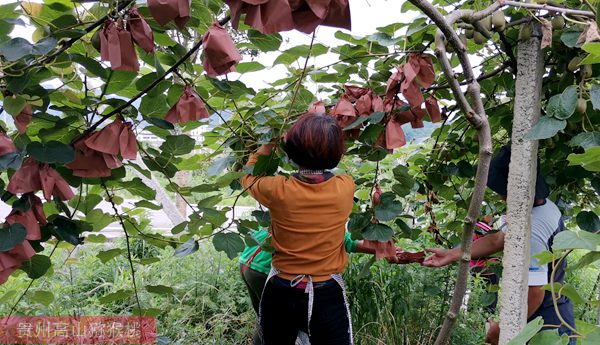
[315,141]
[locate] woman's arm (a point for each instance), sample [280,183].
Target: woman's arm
[260,188]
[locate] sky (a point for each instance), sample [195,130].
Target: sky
[367,16]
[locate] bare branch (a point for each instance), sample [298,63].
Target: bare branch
[476,116]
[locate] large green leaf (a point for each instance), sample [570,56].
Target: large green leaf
[592,338]
[230,243]
[562,106]
[389,208]
[12,235]
[37,266]
[545,128]
[266,43]
[187,248]
[42,296]
[549,337]
[107,255]
[67,230]
[118,295]
[576,240]
[251,66]
[589,160]
[14,104]
[595,96]
[586,140]
[178,145]
[51,152]
[11,160]
[160,289]
[588,221]
[378,232]
[532,328]
[18,48]
[139,188]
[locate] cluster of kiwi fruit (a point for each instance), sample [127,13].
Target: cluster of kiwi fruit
[497,22]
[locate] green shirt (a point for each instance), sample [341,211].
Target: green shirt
[262,260]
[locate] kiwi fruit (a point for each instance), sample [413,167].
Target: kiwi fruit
[499,21]
[525,33]
[96,40]
[479,38]
[586,71]
[581,106]
[574,64]
[469,33]
[487,22]
[558,22]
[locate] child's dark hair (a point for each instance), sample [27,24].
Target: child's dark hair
[315,141]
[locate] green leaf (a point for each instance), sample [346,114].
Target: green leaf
[262,217]
[215,217]
[37,266]
[595,96]
[107,255]
[378,232]
[139,188]
[220,164]
[148,204]
[591,338]
[160,289]
[265,43]
[569,38]
[359,121]
[266,165]
[210,201]
[389,208]
[119,80]
[115,296]
[548,337]
[545,128]
[179,228]
[67,230]
[42,296]
[592,48]
[51,152]
[160,123]
[563,106]
[586,140]
[14,104]
[383,39]
[588,221]
[11,236]
[230,243]
[18,48]
[356,223]
[178,145]
[252,66]
[189,247]
[589,160]
[93,66]
[11,160]
[528,332]
[98,219]
[576,240]
[585,260]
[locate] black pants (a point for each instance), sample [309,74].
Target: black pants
[255,282]
[284,312]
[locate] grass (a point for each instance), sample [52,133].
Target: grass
[391,304]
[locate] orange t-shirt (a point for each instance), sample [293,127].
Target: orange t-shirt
[308,222]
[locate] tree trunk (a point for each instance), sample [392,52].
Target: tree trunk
[521,187]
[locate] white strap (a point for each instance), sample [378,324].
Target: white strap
[338,278]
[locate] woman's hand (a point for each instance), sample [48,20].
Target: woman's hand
[265,149]
[441,257]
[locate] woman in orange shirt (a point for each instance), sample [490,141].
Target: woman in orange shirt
[309,210]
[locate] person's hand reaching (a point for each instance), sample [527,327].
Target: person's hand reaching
[440,257]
